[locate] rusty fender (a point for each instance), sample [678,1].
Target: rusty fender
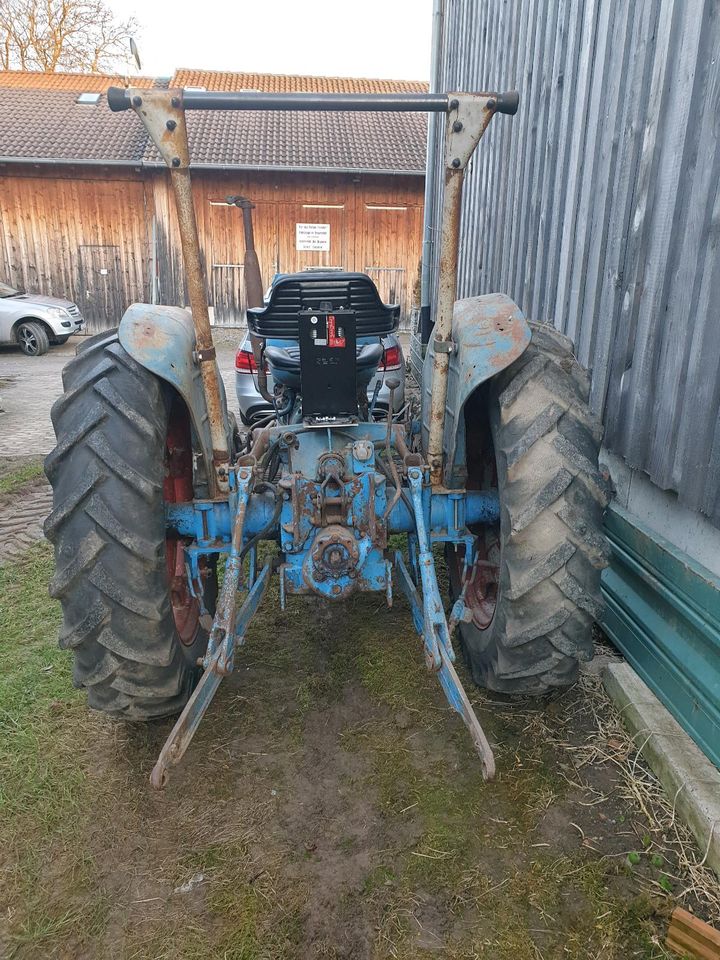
[489,333]
[162,339]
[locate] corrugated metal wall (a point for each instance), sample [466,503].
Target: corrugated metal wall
[597,208]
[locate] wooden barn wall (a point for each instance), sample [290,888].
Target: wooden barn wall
[375,225]
[597,207]
[89,234]
[79,234]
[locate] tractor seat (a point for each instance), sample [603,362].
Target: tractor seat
[293,293]
[285,363]
[284,359]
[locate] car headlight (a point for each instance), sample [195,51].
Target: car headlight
[59,312]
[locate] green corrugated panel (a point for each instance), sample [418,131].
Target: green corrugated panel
[663,612]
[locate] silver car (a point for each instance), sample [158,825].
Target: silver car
[33,322]
[253,407]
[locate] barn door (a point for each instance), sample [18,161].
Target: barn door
[101,299]
[228,294]
[311,235]
[224,257]
[389,251]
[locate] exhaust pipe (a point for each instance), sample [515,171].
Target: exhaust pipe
[253,288]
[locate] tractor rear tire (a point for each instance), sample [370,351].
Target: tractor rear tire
[536,592]
[135,641]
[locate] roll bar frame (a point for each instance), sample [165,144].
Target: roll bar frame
[162,112]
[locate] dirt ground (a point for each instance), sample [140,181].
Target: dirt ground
[330,805]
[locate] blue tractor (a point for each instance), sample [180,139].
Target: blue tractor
[155,487]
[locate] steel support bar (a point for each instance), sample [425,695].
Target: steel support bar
[196,707]
[466,124]
[430,621]
[204,347]
[218,660]
[187,723]
[435,629]
[121,99]
[224,622]
[458,700]
[163,117]
[397,103]
[447,675]
[447,289]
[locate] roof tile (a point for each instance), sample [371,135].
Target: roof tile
[346,141]
[290,83]
[77,82]
[44,122]
[50,125]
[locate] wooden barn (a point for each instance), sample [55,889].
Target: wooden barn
[86,209]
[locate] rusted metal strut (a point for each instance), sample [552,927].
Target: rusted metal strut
[162,114]
[431,623]
[467,120]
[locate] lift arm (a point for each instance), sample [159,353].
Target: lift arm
[430,622]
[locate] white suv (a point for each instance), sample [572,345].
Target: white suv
[33,322]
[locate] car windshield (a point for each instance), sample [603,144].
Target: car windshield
[7,291]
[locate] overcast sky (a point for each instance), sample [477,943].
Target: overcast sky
[359,38]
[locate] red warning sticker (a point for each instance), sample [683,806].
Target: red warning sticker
[336,336]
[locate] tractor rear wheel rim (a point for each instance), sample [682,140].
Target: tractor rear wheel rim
[482,590]
[178,488]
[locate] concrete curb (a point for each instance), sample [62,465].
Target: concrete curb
[691,782]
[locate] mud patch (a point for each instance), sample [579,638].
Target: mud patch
[25,501]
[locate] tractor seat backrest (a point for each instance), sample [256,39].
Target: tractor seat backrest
[326,292]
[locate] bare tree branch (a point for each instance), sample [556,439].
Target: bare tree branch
[51,35]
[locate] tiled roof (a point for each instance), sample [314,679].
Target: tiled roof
[290,83]
[76,82]
[340,141]
[46,124]
[50,125]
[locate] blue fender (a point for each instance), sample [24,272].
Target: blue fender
[162,339]
[489,333]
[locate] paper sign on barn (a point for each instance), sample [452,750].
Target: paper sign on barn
[312,236]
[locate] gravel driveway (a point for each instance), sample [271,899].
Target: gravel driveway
[28,388]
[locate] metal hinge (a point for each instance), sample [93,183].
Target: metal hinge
[443,346]
[469,115]
[203,356]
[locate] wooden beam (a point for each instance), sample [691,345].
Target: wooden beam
[690,937]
